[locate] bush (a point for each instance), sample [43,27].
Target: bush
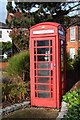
[73,98]
[19,64]
[69,63]
[4,46]
[14,92]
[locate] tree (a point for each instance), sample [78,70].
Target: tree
[22,16]
[20,37]
[45,11]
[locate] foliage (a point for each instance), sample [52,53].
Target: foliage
[45,11]
[4,46]
[22,16]
[20,38]
[73,98]
[18,65]
[14,92]
[76,64]
[69,63]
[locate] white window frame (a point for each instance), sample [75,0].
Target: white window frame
[72,34]
[72,53]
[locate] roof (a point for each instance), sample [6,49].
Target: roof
[45,23]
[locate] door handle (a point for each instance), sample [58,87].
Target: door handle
[54,65]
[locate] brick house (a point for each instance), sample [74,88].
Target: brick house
[73,40]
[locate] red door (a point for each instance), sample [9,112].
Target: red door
[43,72]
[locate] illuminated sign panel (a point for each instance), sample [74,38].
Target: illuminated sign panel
[43,31]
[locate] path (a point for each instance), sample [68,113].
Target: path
[33,113]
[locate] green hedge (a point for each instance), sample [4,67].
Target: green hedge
[19,64]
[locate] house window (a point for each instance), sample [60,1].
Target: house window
[72,34]
[72,53]
[79,33]
[0,34]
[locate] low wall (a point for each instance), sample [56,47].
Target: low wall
[3,65]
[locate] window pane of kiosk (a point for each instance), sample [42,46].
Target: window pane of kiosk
[35,43]
[34,65]
[43,80]
[43,72]
[62,50]
[35,72]
[34,50]
[43,87]
[43,43]
[34,58]
[50,42]
[43,51]
[43,94]
[50,50]
[43,65]
[62,55]
[43,58]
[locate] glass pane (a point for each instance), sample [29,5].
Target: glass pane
[51,73]
[43,58]
[43,95]
[62,50]
[35,79]
[50,42]
[43,80]
[35,43]
[50,50]
[43,65]
[34,50]
[34,65]
[62,42]
[62,58]
[43,43]
[35,72]
[35,94]
[50,57]
[62,64]
[34,58]
[43,72]
[43,87]
[43,51]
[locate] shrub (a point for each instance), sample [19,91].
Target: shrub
[69,63]
[19,64]
[14,92]
[73,98]
[4,46]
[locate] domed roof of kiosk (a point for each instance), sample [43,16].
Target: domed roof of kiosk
[46,23]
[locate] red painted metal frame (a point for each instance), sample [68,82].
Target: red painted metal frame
[55,101]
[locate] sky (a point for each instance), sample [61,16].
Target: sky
[3,11]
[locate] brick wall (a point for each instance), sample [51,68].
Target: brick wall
[3,65]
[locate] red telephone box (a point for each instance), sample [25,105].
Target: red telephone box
[47,64]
